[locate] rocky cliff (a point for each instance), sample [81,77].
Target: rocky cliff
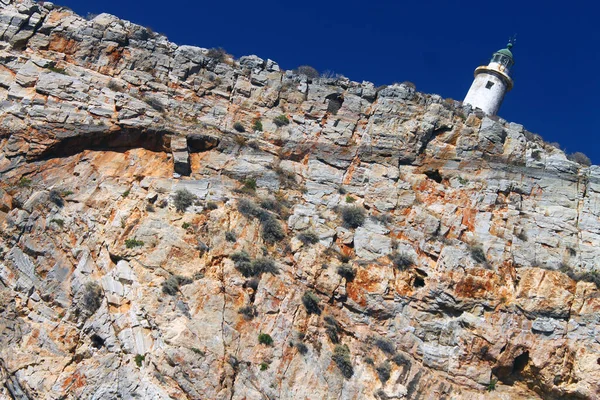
[178,224]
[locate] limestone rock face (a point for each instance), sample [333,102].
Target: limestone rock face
[162,206]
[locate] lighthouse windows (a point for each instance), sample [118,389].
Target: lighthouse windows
[489,84]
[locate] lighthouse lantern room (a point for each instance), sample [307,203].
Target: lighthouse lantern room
[491,82]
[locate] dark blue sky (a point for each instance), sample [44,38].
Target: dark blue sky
[436,44]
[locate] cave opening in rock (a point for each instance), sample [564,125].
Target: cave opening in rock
[115,258]
[520,363]
[419,282]
[198,143]
[509,374]
[335,103]
[97,341]
[100,139]
[434,175]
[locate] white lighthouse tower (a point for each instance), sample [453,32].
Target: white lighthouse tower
[491,82]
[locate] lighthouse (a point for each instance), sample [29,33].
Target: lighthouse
[491,82]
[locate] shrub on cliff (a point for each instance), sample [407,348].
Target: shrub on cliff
[400,359]
[248,208]
[332,329]
[230,236]
[346,271]
[385,345]
[341,358]
[115,86]
[580,158]
[139,360]
[311,303]
[272,204]
[248,312]
[264,265]
[287,179]
[257,125]
[402,261]
[57,70]
[92,296]
[58,221]
[478,254]
[491,386]
[248,267]
[302,349]
[281,120]
[344,258]
[265,338]
[353,216]
[172,284]
[240,140]
[308,71]
[242,262]
[131,243]
[211,205]
[218,54]
[56,197]
[183,199]
[239,127]
[383,371]
[308,238]
[24,182]
[249,186]
[271,230]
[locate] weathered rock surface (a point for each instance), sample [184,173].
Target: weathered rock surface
[475,262]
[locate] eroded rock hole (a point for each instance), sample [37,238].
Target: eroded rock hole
[420,276]
[335,102]
[419,282]
[434,175]
[520,363]
[115,258]
[97,341]
[75,142]
[198,142]
[512,373]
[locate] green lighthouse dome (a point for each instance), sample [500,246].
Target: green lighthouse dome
[504,57]
[506,51]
